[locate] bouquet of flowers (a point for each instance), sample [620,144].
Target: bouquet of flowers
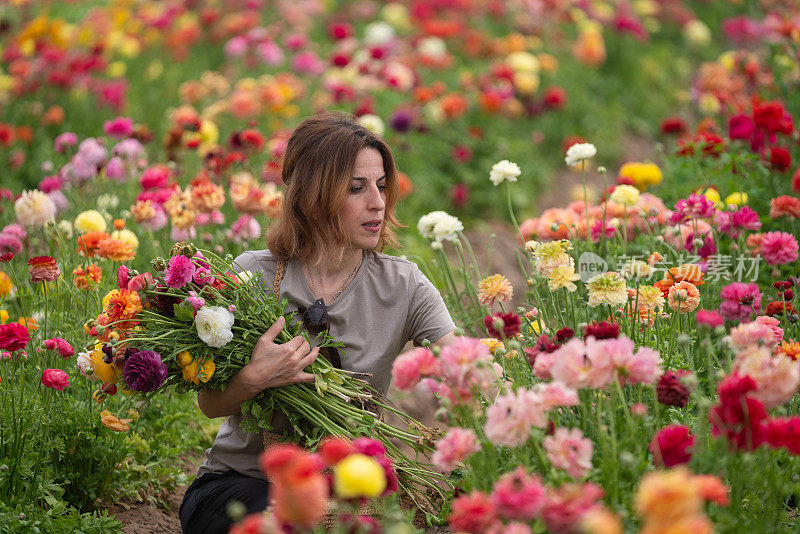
[193,325]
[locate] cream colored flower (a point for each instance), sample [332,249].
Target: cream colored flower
[494,288]
[373,123]
[34,208]
[579,152]
[439,226]
[636,268]
[627,195]
[214,325]
[550,254]
[562,276]
[649,298]
[504,170]
[608,288]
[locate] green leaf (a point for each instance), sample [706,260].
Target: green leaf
[183,311]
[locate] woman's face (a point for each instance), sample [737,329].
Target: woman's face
[363,209]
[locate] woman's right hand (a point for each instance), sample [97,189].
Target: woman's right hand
[273,365]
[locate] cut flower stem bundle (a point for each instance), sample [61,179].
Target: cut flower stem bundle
[338,403]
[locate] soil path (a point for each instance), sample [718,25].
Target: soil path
[494,243]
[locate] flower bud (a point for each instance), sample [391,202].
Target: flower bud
[684,340]
[159,264]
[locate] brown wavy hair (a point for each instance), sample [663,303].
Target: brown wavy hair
[317,169]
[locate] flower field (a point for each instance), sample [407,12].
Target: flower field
[642,375]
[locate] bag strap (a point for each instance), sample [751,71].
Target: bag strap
[271,438]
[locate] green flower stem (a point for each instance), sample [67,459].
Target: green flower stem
[511,212]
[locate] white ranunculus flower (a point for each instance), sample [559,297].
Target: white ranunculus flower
[427,222]
[214,325]
[378,33]
[433,47]
[34,208]
[373,123]
[504,170]
[245,276]
[579,152]
[439,226]
[84,363]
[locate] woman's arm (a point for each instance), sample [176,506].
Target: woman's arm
[271,365]
[447,339]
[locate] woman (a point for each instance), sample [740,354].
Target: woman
[338,214]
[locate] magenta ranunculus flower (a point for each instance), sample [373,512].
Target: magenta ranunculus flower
[55,378]
[144,371]
[692,207]
[123,276]
[119,127]
[60,345]
[179,272]
[733,223]
[740,127]
[709,318]
[672,446]
[454,448]
[13,337]
[778,248]
[738,301]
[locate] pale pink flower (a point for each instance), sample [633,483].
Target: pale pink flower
[570,364]
[454,448]
[752,334]
[557,394]
[411,366]
[567,504]
[776,376]
[644,367]
[195,301]
[567,449]
[509,419]
[182,234]
[772,323]
[245,228]
[518,495]
[514,527]
[542,367]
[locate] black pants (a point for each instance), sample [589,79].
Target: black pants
[205,503]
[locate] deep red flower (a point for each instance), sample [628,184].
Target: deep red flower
[13,337]
[672,446]
[510,324]
[673,125]
[564,334]
[784,432]
[779,158]
[601,330]
[796,181]
[772,117]
[740,418]
[740,127]
[6,257]
[777,308]
[555,97]
[671,391]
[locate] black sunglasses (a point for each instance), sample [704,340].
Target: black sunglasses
[315,320]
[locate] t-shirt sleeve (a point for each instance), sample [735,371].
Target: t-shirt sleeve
[428,317]
[254,262]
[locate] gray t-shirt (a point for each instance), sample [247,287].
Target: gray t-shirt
[388,302]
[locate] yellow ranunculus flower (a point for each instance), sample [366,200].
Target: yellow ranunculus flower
[626,195]
[3,317]
[523,62]
[6,287]
[526,82]
[196,372]
[106,372]
[712,195]
[116,69]
[709,104]
[736,199]
[184,358]
[90,221]
[358,475]
[126,236]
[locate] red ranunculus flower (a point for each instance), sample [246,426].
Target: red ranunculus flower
[670,391]
[43,269]
[602,330]
[740,418]
[510,324]
[779,158]
[784,432]
[672,446]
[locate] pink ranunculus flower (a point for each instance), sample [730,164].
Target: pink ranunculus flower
[454,448]
[60,345]
[55,378]
[556,394]
[518,495]
[65,140]
[179,272]
[245,228]
[510,418]
[644,367]
[119,127]
[411,366]
[570,364]
[567,504]
[778,248]
[709,318]
[567,449]
[752,334]
[140,281]
[776,376]
[772,323]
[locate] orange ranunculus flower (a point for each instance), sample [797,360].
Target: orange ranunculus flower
[688,272]
[143,211]
[88,243]
[790,349]
[590,48]
[112,422]
[6,287]
[683,297]
[453,105]
[122,305]
[207,197]
[87,276]
[405,185]
[53,116]
[115,250]
[119,224]
[29,323]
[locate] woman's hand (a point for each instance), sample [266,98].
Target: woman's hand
[273,365]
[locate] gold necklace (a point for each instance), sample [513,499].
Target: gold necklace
[344,286]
